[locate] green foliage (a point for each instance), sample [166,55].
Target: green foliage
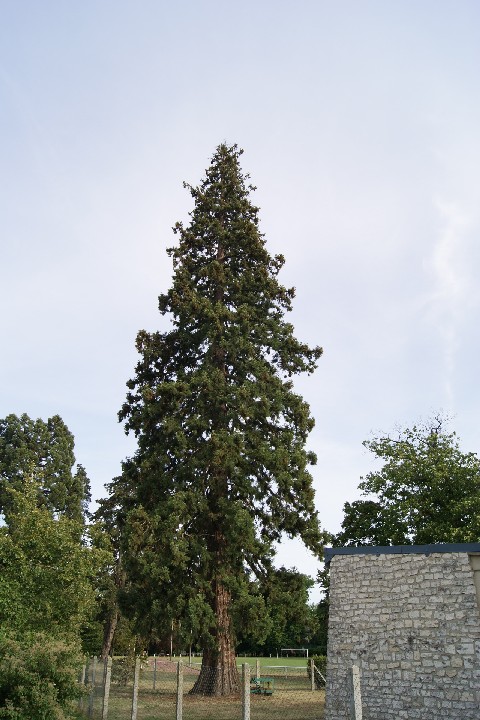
[46,571]
[123,668]
[320,637]
[427,491]
[43,450]
[46,597]
[38,677]
[221,470]
[287,620]
[107,530]
[251,618]
[320,663]
[91,637]
[126,642]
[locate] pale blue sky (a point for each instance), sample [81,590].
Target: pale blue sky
[360,123]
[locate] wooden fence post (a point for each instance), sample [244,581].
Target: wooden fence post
[245,691]
[82,683]
[257,668]
[179,714]
[312,673]
[355,694]
[106,688]
[136,679]
[92,689]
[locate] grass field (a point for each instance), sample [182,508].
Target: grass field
[297,662]
[300,705]
[274,661]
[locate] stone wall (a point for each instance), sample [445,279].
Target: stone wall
[411,622]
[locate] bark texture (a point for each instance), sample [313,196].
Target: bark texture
[109,632]
[219,674]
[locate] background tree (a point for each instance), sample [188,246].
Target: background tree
[46,571]
[427,491]
[221,470]
[320,638]
[292,621]
[46,596]
[108,527]
[46,450]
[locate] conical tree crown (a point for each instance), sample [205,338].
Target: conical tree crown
[213,392]
[221,469]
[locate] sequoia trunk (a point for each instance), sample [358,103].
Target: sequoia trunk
[219,674]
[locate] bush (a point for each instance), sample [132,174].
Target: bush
[38,678]
[320,663]
[123,669]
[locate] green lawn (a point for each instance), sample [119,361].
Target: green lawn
[273,661]
[299,662]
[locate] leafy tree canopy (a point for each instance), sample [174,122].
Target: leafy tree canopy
[46,571]
[46,597]
[292,620]
[44,450]
[38,677]
[427,491]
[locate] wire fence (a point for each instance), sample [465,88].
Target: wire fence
[159,689]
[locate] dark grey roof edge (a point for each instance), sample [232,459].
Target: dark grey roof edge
[402,549]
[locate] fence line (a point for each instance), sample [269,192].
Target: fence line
[246,691]
[92,690]
[106,691]
[82,683]
[179,691]
[136,679]
[162,690]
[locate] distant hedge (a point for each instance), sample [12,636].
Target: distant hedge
[320,662]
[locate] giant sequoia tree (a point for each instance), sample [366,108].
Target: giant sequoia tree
[221,470]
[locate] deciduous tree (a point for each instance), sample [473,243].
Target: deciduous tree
[292,621]
[46,595]
[44,450]
[108,527]
[427,491]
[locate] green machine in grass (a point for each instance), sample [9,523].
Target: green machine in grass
[262,686]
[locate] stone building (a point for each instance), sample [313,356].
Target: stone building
[409,617]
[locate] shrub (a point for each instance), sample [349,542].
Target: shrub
[320,663]
[38,678]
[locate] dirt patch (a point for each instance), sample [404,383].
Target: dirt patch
[170,666]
